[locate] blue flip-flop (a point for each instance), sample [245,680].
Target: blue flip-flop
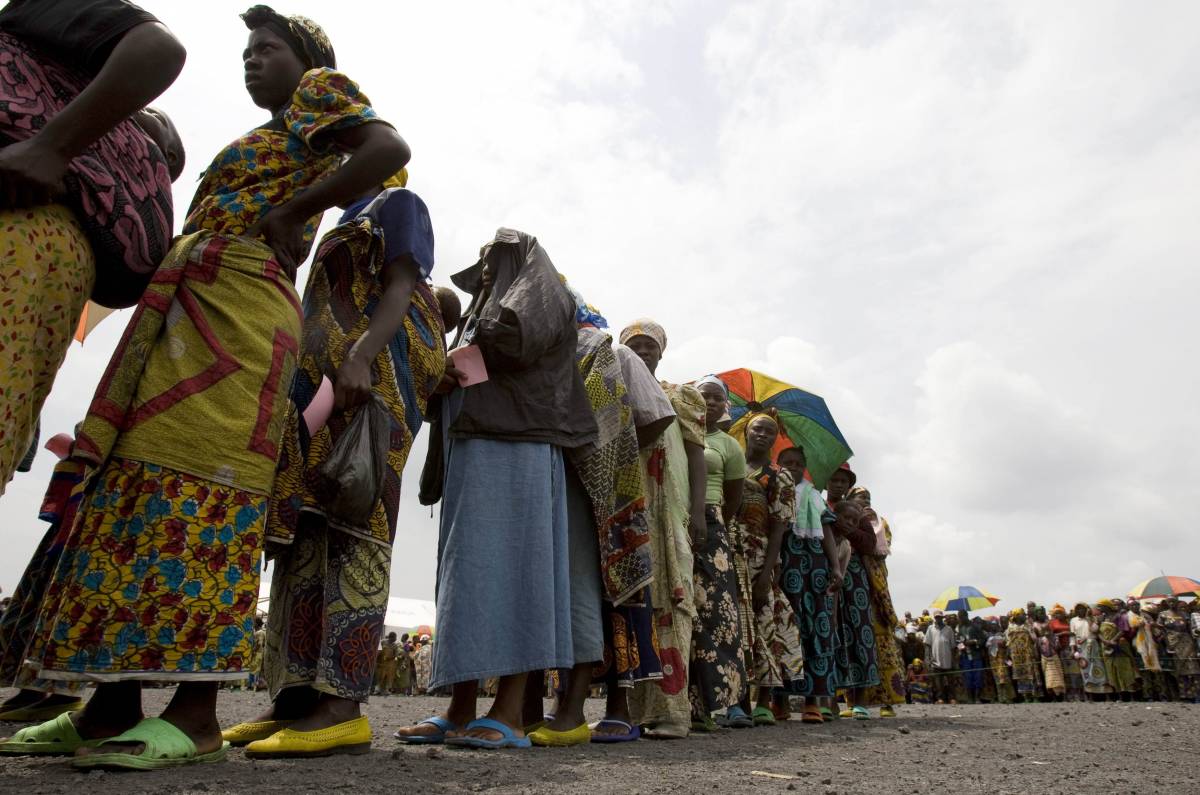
[441,723]
[631,732]
[508,738]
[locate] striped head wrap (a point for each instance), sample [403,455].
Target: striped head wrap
[303,36]
[645,327]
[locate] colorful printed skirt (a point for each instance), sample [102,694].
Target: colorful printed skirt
[883,622]
[717,674]
[46,277]
[664,704]
[1091,667]
[329,595]
[779,656]
[158,581]
[855,655]
[806,573]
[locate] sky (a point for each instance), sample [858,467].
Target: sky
[970,227]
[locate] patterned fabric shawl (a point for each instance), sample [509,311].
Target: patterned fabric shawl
[344,287]
[120,188]
[611,472]
[190,356]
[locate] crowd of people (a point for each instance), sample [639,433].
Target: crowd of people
[596,522]
[1113,649]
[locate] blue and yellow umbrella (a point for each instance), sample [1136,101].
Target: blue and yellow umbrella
[964,597]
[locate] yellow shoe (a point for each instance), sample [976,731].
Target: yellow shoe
[351,737]
[245,733]
[548,738]
[846,713]
[887,712]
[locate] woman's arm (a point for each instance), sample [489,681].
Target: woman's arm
[648,434]
[762,583]
[732,490]
[143,64]
[378,153]
[829,545]
[697,489]
[352,384]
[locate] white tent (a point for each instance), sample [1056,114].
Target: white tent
[406,614]
[402,614]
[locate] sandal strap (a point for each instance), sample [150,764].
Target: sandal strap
[438,721]
[58,730]
[163,740]
[495,725]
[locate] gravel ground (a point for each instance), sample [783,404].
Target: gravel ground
[1035,748]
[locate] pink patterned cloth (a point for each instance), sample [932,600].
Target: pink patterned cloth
[120,188]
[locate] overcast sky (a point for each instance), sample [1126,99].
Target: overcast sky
[971,227]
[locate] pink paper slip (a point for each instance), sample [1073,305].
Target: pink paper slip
[317,413]
[469,362]
[60,445]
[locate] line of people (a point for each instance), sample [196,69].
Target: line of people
[594,520]
[1107,651]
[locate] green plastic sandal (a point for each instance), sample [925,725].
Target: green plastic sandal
[165,746]
[56,737]
[763,716]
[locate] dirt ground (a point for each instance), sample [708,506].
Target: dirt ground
[1042,748]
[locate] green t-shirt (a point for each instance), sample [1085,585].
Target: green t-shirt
[724,459]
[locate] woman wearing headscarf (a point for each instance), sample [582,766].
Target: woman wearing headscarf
[373,326]
[766,516]
[159,579]
[717,678]
[609,542]
[810,578]
[1022,651]
[675,477]
[856,655]
[503,592]
[1181,648]
[1117,652]
[1060,632]
[1085,634]
[85,183]
[1145,647]
[997,651]
[890,690]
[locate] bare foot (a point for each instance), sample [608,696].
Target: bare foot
[429,730]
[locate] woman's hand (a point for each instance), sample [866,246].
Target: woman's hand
[450,379]
[31,174]
[698,529]
[352,384]
[284,233]
[761,589]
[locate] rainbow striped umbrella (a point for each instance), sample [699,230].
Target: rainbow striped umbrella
[964,597]
[805,418]
[1164,586]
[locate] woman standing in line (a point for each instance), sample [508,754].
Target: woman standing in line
[503,592]
[675,496]
[717,677]
[372,321]
[766,517]
[857,660]
[810,578]
[890,690]
[159,579]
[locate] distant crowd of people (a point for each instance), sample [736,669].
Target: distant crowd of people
[1113,649]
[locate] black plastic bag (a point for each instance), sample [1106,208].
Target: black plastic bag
[356,466]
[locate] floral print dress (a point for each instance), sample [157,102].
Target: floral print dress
[159,577]
[778,656]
